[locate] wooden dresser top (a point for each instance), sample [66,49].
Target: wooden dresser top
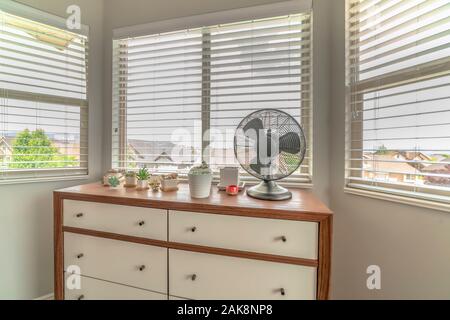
[303,205]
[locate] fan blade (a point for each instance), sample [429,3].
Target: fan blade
[256,167]
[290,143]
[255,124]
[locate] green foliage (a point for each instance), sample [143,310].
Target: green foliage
[113,181]
[34,150]
[130,174]
[143,174]
[382,150]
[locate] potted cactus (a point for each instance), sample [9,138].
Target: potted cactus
[130,179]
[142,178]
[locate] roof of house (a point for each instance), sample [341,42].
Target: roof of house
[443,167]
[388,163]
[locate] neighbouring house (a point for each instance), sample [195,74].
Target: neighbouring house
[439,173]
[394,166]
[164,155]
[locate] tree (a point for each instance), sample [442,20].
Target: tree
[34,150]
[382,150]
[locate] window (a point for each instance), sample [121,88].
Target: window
[179,96]
[43,99]
[398,113]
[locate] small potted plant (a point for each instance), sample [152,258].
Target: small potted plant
[130,179]
[200,180]
[114,182]
[142,178]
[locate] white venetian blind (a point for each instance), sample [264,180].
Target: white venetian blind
[260,64]
[172,89]
[157,101]
[43,100]
[398,119]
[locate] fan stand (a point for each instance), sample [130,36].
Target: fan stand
[269,190]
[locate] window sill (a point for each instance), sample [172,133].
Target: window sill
[399,199]
[44,179]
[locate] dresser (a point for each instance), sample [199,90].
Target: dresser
[128,244]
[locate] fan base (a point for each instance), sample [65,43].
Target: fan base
[269,190]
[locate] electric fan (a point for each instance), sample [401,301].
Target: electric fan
[270,145]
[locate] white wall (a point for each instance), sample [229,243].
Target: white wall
[120,13]
[26,213]
[410,244]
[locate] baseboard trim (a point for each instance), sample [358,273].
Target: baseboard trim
[49,296]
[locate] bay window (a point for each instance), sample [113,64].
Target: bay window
[43,96]
[179,96]
[398,111]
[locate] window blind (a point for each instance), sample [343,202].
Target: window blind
[398,113]
[179,96]
[43,100]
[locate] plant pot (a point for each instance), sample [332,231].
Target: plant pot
[169,185]
[142,184]
[200,185]
[130,181]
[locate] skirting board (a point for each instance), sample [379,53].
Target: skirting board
[49,296]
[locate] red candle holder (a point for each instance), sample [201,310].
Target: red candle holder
[232,190]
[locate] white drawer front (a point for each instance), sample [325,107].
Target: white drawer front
[219,277]
[280,237]
[117,261]
[133,221]
[93,289]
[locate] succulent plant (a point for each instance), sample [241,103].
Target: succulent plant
[143,174]
[113,181]
[130,174]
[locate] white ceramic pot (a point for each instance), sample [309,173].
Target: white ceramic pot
[142,184]
[130,181]
[200,185]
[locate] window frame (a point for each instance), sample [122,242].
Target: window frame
[51,20]
[383,191]
[212,19]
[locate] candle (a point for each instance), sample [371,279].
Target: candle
[232,190]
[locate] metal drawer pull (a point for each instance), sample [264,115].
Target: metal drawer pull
[141,223]
[193,277]
[283,292]
[79,215]
[80,256]
[142,268]
[283,238]
[81,297]
[194,229]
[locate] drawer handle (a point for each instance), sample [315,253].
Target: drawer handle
[283,238]
[194,277]
[80,256]
[283,292]
[81,297]
[79,215]
[193,229]
[142,268]
[141,223]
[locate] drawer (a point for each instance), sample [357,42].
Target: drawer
[219,277]
[93,289]
[279,237]
[117,261]
[132,221]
